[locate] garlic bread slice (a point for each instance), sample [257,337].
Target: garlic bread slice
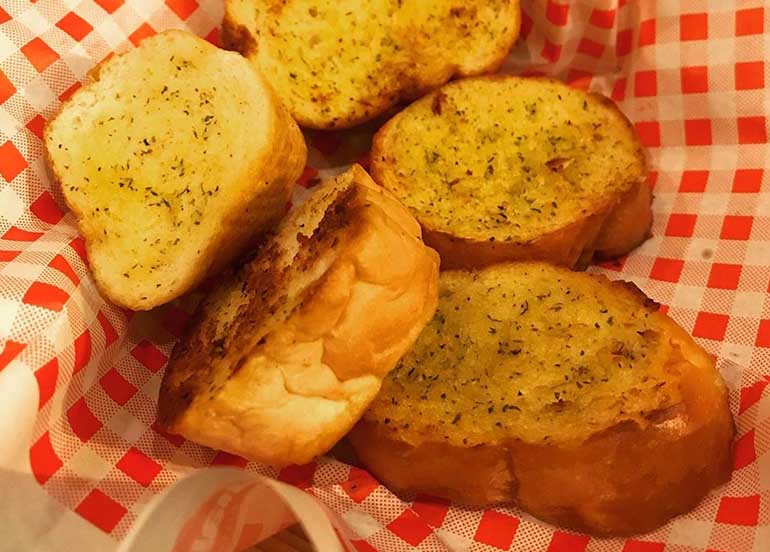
[174,158]
[509,168]
[562,392]
[339,63]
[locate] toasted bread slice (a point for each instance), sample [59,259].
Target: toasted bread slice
[338,63]
[174,158]
[569,395]
[509,168]
[286,355]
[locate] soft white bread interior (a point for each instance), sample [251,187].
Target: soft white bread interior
[507,169]
[284,357]
[173,158]
[571,396]
[338,63]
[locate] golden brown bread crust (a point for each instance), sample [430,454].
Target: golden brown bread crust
[611,231]
[627,225]
[418,65]
[624,480]
[285,356]
[611,227]
[236,36]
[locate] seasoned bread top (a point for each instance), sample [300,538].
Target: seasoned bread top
[337,63]
[286,354]
[538,354]
[172,158]
[506,158]
[568,395]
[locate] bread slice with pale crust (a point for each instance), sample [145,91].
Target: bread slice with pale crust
[562,392]
[174,158]
[506,168]
[338,63]
[286,354]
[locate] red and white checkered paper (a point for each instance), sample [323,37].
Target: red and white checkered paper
[81,453]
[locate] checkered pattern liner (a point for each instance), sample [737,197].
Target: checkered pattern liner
[692,77]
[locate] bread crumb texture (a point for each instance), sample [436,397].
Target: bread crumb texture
[507,158]
[336,64]
[523,352]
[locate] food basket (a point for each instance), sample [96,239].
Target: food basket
[85,466]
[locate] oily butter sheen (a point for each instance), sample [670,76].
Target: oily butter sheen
[508,168]
[339,63]
[562,392]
